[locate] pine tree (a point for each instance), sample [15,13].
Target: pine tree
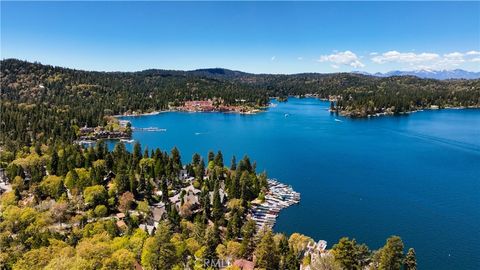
[217,211]
[233,164]
[195,159]
[53,167]
[212,239]
[248,238]
[206,204]
[176,161]
[123,182]
[173,216]
[158,251]
[164,187]
[266,255]
[392,254]
[159,170]
[133,182]
[291,261]
[219,159]
[137,154]
[211,156]
[234,189]
[410,261]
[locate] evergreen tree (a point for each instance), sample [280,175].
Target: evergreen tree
[211,156]
[176,161]
[133,182]
[266,255]
[351,255]
[292,261]
[206,204]
[53,167]
[159,170]
[123,182]
[410,262]
[245,186]
[212,239]
[219,159]
[164,188]
[173,216]
[200,171]
[137,154]
[391,257]
[248,238]
[217,210]
[233,164]
[234,189]
[196,159]
[158,251]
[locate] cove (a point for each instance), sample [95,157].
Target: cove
[416,176]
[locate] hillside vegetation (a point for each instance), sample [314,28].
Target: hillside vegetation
[42,102]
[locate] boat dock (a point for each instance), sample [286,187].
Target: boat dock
[153,129]
[279,196]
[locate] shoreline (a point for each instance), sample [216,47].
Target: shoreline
[353,115]
[249,112]
[344,113]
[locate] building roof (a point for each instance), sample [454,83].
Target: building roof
[148,228]
[158,211]
[244,264]
[121,224]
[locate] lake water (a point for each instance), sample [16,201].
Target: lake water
[416,176]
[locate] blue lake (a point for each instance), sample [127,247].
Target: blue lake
[416,176]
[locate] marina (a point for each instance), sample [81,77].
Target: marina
[278,197]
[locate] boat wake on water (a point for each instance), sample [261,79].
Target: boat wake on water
[439,140]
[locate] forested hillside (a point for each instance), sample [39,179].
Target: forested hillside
[70,207]
[41,102]
[65,206]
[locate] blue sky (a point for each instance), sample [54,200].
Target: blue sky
[260,37]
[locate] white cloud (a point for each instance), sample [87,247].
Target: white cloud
[473,53]
[408,57]
[373,53]
[273,58]
[477,59]
[454,55]
[426,60]
[346,58]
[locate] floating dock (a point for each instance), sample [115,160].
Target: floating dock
[279,196]
[152,129]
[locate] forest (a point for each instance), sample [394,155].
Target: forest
[44,103]
[72,207]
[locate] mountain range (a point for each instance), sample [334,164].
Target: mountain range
[430,74]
